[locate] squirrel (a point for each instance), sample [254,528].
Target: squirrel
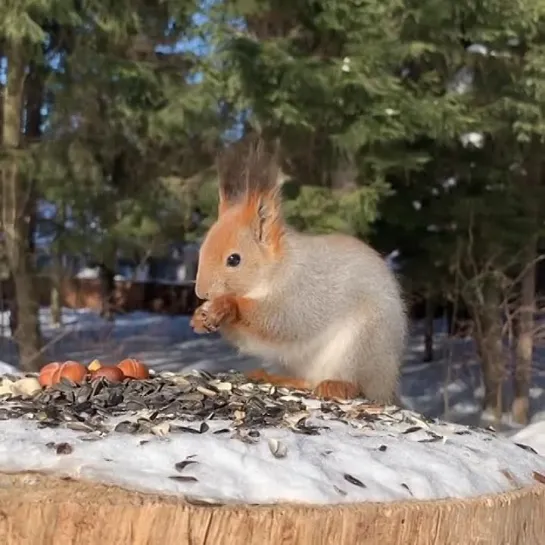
[326,308]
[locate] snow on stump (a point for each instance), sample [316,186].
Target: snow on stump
[209,460]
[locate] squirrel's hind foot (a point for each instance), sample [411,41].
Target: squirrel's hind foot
[339,389]
[259,375]
[326,389]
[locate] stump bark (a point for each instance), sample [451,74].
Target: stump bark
[37,509]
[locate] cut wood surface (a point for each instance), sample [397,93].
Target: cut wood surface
[37,509]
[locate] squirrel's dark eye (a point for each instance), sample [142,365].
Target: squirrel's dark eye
[233,260]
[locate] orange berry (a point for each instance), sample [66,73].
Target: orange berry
[45,378]
[113,374]
[133,369]
[72,370]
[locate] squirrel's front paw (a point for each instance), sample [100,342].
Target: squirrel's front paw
[199,320]
[212,314]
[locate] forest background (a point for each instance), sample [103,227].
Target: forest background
[417,126]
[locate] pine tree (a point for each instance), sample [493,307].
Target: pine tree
[21,40]
[493,53]
[121,117]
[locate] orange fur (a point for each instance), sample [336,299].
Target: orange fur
[230,312]
[223,205]
[225,237]
[259,375]
[246,323]
[328,389]
[272,223]
[249,195]
[239,228]
[213,314]
[245,215]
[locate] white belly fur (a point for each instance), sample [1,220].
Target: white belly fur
[324,357]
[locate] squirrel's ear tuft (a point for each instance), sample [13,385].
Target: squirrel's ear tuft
[248,171]
[232,185]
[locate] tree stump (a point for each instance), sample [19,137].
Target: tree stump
[37,509]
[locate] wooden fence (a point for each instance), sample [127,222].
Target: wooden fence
[128,296]
[177,299]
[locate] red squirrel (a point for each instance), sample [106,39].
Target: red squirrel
[325,308]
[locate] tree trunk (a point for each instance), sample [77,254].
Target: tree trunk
[107,291]
[107,272]
[17,207]
[525,338]
[56,306]
[57,270]
[490,348]
[56,283]
[449,316]
[531,193]
[428,329]
[344,175]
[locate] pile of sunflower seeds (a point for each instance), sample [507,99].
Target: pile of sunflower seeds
[193,397]
[198,402]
